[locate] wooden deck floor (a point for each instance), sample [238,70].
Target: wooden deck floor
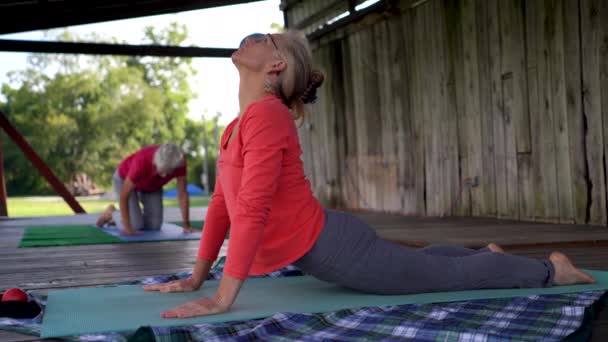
[41,269]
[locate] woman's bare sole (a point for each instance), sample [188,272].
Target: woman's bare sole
[495,248]
[106,216]
[566,273]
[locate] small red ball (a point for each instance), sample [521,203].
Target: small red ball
[14,294]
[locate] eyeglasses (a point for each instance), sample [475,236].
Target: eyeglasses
[272,40]
[258,38]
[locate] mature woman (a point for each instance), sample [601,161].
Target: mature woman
[140,178]
[263,195]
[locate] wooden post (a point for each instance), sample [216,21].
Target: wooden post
[3,197]
[25,147]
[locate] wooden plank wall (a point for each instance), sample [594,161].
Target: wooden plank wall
[470,107]
[309,15]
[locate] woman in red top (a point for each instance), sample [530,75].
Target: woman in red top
[263,196]
[140,177]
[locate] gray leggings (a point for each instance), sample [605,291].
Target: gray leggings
[350,253]
[152,216]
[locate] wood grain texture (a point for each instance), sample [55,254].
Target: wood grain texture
[482,108]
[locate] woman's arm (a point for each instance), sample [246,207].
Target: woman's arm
[216,224]
[264,143]
[125,192]
[220,303]
[214,232]
[184,202]
[265,139]
[192,283]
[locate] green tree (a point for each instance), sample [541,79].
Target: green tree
[84,114]
[201,138]
[276,27]
[170,75]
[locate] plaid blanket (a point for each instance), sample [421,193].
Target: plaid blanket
[533,318]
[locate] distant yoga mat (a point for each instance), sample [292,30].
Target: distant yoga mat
[46,236]
[71,235]
[167,232]
[125,308]
[197,225]
[194,224]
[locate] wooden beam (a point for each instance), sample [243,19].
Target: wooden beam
[351,18]
[3,197]
[33,15]
[286,23]
[112,49]
[40,165]
[336,4]
[288,4]
[352,4]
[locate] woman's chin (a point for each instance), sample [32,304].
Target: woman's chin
[240,63]
[236,60]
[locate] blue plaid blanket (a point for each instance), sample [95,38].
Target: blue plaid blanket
[533,318]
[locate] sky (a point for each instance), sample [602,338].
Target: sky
[216,81]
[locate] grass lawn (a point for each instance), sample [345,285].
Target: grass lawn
[50,206]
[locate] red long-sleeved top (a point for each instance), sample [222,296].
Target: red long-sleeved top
[139,168]
[261,193]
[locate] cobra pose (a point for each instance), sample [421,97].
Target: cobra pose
[262,195]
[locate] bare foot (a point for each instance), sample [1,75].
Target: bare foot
[106,216]
[566,273]
[495,248]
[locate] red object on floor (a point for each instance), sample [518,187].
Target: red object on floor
[14,294]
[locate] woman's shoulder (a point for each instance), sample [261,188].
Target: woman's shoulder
[147,152]
[269,107]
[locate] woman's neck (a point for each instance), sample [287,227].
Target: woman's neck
[250,91]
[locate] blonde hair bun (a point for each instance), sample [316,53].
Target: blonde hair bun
[316,80]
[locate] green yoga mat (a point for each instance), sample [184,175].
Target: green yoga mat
[44,236]
[125,308]
[70,235]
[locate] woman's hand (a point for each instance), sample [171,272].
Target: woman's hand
[200,307]
[188,229]
[221,302]
[182,285]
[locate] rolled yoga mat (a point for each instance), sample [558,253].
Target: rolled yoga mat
[125,308]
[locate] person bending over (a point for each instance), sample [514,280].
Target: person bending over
[139,179]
